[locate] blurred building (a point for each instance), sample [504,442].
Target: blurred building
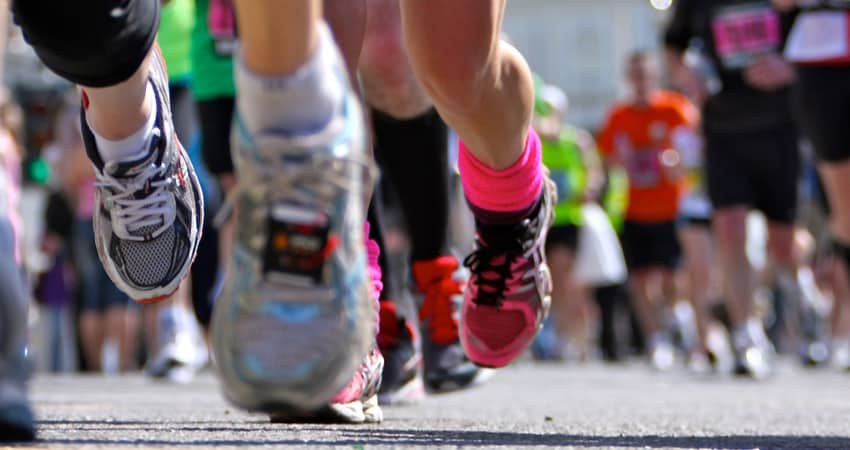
[580,45]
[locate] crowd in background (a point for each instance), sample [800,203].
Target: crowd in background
[648,256]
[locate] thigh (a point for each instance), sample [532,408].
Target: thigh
[728,180]
[777,174]
[822,101]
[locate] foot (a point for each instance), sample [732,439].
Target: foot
[662,353]
[446,365]
[752,353]
[296,315]
[150,211]
[182,350]
[16,418]
[399,343]
[509,291]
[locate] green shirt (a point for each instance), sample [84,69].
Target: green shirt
[212,73]
[174,38]
[563,158]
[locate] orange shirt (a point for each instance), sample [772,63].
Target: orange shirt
[635,137]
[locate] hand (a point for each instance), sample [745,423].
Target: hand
[691,83]
[769,72]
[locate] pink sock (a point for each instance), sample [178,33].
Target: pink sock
[373,251]
[503,192]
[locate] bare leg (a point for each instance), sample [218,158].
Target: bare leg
[481,86]
[388,79]
[642,300]
[91,337]
[730,227]
[696,243]
[118,111]
[277,37]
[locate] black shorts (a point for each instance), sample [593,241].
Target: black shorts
[94,43]
[647,245]
[758,169]
[822,100]
[563,235]
[216,117]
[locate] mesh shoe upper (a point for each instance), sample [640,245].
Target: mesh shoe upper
[150,208]
[508,294]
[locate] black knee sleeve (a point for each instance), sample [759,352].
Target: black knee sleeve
[216,117]
[94,43]
[413,154]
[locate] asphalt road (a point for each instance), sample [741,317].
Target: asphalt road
[527,406]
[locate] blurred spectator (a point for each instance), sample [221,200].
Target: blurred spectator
[640,135]
[108,322]
[570,155]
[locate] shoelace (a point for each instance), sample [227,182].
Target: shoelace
[439,310]
[135,213]
[324,174]
[492,262]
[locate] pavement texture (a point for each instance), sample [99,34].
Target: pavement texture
[527,406]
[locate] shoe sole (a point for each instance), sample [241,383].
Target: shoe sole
[13,426]
[458,383]
[356,412]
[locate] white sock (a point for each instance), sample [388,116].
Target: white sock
[302,102]
[131,146]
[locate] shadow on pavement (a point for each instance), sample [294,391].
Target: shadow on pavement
[369,436]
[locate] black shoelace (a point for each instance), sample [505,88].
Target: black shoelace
[496,252]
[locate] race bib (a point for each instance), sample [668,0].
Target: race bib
[819,37]
[644,169]
[222,26]
[742,32]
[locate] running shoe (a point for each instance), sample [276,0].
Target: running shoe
[442,283]
[398,342]
[296,316]
[150,209]
[840,355]
[16,418]
[753,352]
[182,350]
[509,291]
[662,352]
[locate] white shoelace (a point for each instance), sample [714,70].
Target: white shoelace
[324,174]
[131,214]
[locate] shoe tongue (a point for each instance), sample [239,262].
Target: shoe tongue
[505,237]
[132,165]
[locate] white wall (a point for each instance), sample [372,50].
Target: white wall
[580,45]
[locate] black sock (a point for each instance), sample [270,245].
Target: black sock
[413,154]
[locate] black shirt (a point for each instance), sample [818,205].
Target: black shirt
[734,33]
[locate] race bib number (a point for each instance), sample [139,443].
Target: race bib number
[819,36]
[222,25]
[742,32]
[644,169]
